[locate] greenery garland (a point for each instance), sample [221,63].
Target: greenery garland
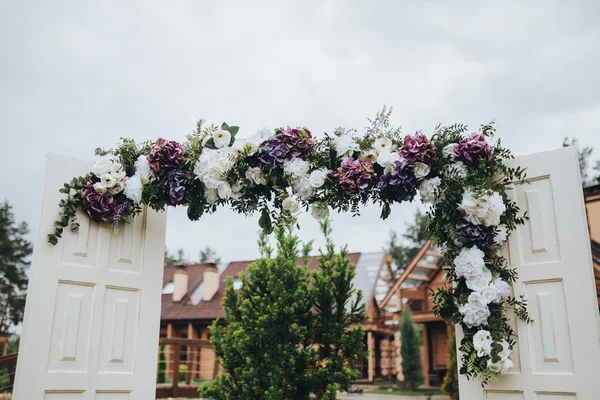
[463,178]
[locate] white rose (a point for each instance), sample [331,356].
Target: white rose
[448,150]
[421,170]
[256,176]
[345,144]
[117,188]
[506,352]
[99,188]
[142,168]
[303,188]
[469,262]
[502,289]
[490,294]
[429,190]
[477,300]
[251,148]
[108,180]
[221,138]
[369,155]
[291,205]
[388,158]
[482,209]
[319,211]
[506,365]
[224,190]
[479,282]
[101,167]
[211,196]
[317,177]
[133,189]
[500,234]
[482,342]
[296,167]
[118,171]
[382,144]
[494,367]
[236,190]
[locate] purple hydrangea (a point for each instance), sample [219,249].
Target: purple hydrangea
[165,155]
[478,235]
[399,185]
[355,176]
[99,207]
[286,144]
[418,148]
[171,187]
[473,149]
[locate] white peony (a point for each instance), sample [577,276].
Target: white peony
[345,145]
[256,176]
[108,180]
[457,170]
[469,263]
[429,190]
[482,342]
[388,158]
[448,150]
[291,205]
[211,196]
[490,294]
[482,209]
[303,188]
[500,234]
[133,189]
[213,166]
[142,168]
[296,167]
[317,177]
[224,190]
[479,282]
[421,170]
[221,138]
[101,167]
[319,211]
[502,290]
[369,155]
[382,144]
[475,312]
[100,188]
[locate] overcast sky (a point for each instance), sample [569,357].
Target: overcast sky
[76,75]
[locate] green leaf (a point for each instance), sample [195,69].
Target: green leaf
[52,239]
[210,144]
[385,210]
[224,126]
[265,221]
[233,130]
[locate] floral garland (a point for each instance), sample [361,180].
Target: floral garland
[462,177]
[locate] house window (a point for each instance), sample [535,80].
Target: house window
[169,288]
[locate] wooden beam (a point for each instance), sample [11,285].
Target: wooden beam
[371,363]
[415,277]
[413,294]
[406,272]
[432,267]
[434,253]
[425,317]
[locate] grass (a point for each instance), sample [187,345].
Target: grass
[404,392]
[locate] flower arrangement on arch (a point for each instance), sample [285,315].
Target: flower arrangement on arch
[462,178]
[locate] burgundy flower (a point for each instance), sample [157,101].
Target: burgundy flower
[298,140]
[399,185]
[355,176]
[478,235]
[165,155]
[99,207]
[473,149]
[418,148]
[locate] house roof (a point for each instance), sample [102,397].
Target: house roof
[210,310]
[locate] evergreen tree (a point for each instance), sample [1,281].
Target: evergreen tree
[291,335]
[410,351]
[162,366]
[450,385]
[14,260]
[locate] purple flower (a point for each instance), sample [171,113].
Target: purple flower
[99,207]
[399,185]
[171,188]
[165,155]
[286,144]
[355,176]
[120,211]
[478,235]
[418,148]
[473,149]
[273,152]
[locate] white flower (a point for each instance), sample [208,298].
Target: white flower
[317,177]
[388,158]
[245,147]
[506,352]
[118,187]
[500,234]
[481,281]
[211,196]
[475,312]
[303,188]
[213,166]
[263,134]
[319,211]
[457,170]
[101,167]
[236,190]
[502,290]
[221,138]
[108,180]
[469,263]
[477,300]
[291,205]
[506,365]
[382,144]
[99,188]
[482,209]
[256,176]
[421,170]
[117,171]
[133,189]
[429,190]
[369,155]
[142,168]
[344,145]
[448,150]
[490,294]
[296,167]
[224,190]
[482,342]
[494,367]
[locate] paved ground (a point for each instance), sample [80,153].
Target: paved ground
[386,397]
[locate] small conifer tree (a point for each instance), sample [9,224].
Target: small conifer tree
[410,349]
[450,385]
[162,366]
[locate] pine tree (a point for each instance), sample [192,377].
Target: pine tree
[410,351]
[450,385]
[14,260]
[291,335]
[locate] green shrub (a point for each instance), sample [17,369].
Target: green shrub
[450,385]
[162,366]
[183,369]
[410,349]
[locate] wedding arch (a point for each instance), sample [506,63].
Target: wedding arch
[463,177]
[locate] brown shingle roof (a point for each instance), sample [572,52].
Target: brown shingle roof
[210,310]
